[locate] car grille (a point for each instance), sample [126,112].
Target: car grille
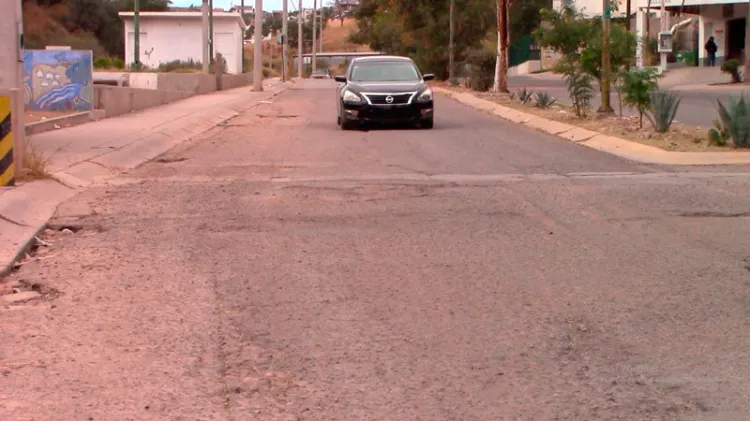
[380,99]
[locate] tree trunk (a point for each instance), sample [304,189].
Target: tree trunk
[501,65]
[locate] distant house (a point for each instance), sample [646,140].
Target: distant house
[592,8]
[348,5]
[170,36]
[249,10]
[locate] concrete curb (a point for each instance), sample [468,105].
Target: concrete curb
[627,149]
[63,122]
[26,210]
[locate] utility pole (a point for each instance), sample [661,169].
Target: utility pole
[314,20]
[284,41]
[258,47]
[664,27]
[211,31]
[242,15]
[451,46]
[300,45]
[320,29]
[627,12]
[11,86]
[206,41]
[137,33]
[605,107]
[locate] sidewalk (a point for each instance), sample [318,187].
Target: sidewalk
[82,155]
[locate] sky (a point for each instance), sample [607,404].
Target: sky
[268,5]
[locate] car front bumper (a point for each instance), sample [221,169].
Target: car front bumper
[401,113]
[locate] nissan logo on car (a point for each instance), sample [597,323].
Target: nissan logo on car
[389,99]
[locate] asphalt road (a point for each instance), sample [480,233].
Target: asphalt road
[278,268]
[698,106]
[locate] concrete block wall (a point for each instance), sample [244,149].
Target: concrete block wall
[116,100]
[146,90]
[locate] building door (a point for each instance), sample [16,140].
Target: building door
[226,45]
[736,38]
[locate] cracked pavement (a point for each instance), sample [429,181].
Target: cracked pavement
[278,268]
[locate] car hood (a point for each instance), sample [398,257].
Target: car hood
[386,87]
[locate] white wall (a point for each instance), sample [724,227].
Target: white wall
[164,39]
[712,24]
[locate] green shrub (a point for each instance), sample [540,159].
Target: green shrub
[118,63]
[735,117]
[580,87]
[481,63]
[179,65]
[102,63]
[544,99]
[732,66]
[664,107]
[636,87]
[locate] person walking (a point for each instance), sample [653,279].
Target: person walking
[711,49]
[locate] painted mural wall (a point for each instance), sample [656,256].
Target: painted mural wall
[58,80]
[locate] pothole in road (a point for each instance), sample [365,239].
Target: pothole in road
[21,292]
[282,116]
[171,160]
[710,214]
[363,193]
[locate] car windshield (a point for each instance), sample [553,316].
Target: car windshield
[385,72]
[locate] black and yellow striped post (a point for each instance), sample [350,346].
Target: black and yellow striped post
[7,169]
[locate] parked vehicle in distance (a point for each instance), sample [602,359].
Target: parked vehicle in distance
[384,89]
[320,74]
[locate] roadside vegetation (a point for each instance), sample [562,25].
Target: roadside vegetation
[35,163]
[578,41]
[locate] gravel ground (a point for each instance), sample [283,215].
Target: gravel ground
[278,268]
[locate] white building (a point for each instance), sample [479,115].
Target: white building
[169,36]
[592,8]
[725,20]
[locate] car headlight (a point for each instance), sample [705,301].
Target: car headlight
[426,95]
[350,96]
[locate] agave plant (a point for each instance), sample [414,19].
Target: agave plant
[524,96]
[736,119]
[664,108]
[544,100]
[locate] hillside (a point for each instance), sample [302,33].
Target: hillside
[43,27]
[335,37]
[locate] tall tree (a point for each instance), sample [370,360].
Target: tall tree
[501,66]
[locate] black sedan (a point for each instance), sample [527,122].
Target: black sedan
[384,89]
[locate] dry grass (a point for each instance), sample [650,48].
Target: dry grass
[679,138]
[336,37]
[35,163]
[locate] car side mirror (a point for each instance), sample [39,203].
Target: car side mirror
[340,79]
[428,77]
